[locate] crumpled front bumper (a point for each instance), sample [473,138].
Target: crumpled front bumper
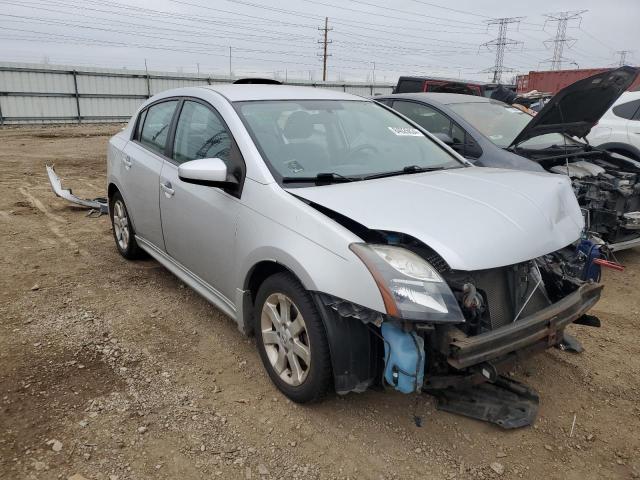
[541,330]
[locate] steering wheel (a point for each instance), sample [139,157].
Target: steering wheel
[363,150]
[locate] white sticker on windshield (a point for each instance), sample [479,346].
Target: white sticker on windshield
[405,131]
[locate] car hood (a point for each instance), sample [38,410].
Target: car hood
[575,109]
[475,218]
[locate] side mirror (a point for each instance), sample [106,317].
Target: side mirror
[211,172]
[444,138]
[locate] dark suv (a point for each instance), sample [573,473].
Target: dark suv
[446,85]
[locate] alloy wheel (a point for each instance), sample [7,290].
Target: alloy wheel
[285,339]
[121,224]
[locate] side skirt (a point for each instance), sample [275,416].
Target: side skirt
[196,283]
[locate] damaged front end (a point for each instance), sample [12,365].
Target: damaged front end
[447,332]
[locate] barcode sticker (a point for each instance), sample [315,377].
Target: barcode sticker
[405,131]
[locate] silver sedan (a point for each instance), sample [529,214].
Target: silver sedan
[356,247]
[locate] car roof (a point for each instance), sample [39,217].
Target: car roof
[441,98]
[245,92]
[445,79]
[628,96]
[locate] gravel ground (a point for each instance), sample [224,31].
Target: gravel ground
[115,370]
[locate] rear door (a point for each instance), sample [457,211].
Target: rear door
[199,222]
[142,162]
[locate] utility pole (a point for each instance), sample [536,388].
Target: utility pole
[500,44]
[325,42]
[561,39]
[374,73]
[230,75]
[146,74]
[623,56]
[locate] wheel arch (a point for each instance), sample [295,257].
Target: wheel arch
[112,188]
[254,278]
[354,351]
[622,149]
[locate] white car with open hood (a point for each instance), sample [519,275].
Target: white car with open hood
[356,247]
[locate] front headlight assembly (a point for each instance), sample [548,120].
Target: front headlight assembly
[410,287]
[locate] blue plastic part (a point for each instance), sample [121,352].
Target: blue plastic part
[592,251]
[404,357]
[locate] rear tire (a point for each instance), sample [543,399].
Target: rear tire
[123,232]
[291,339]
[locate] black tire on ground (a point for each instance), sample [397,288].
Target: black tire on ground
[319,377]
[128,248]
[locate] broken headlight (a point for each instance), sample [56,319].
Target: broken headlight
[410,287]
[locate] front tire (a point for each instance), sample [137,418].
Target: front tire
[123,232]
[291,339]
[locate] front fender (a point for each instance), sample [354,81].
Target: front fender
[276,226]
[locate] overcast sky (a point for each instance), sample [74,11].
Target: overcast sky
[435,37]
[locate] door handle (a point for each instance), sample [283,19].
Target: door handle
[127,161]
[166,188]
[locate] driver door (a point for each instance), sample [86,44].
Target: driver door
[198,221]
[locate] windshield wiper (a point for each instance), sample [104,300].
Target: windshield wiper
[404,171]
[321,179]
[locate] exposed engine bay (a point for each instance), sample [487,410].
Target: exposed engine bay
[607,186]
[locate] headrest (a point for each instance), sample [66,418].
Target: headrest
[299,126]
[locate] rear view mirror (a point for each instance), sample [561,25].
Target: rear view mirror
[206,171]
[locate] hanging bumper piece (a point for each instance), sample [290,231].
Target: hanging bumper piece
[99,205]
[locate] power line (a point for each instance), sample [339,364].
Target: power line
[562,19]
[325,42]
[500,44]
[450,9]
[387,8]
[623,56]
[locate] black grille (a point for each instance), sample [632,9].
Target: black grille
[495,286]
[505,290]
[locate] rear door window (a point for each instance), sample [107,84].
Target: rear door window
[156,125]
[627,110]
[428,118]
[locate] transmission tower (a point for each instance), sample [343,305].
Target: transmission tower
[623,56]
[500,44]
[325,42]
[561,39]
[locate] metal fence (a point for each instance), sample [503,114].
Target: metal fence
[48,94]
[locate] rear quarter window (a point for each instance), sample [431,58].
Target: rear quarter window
[156,125]
[627,110]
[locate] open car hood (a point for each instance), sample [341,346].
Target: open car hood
[475,218]
[575,109]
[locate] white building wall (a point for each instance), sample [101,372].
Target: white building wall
[42,93]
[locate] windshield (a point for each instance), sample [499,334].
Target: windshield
[501,123]
[350,139]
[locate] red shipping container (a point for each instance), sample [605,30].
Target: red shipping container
[554,80]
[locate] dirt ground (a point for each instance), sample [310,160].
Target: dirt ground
[115,370]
